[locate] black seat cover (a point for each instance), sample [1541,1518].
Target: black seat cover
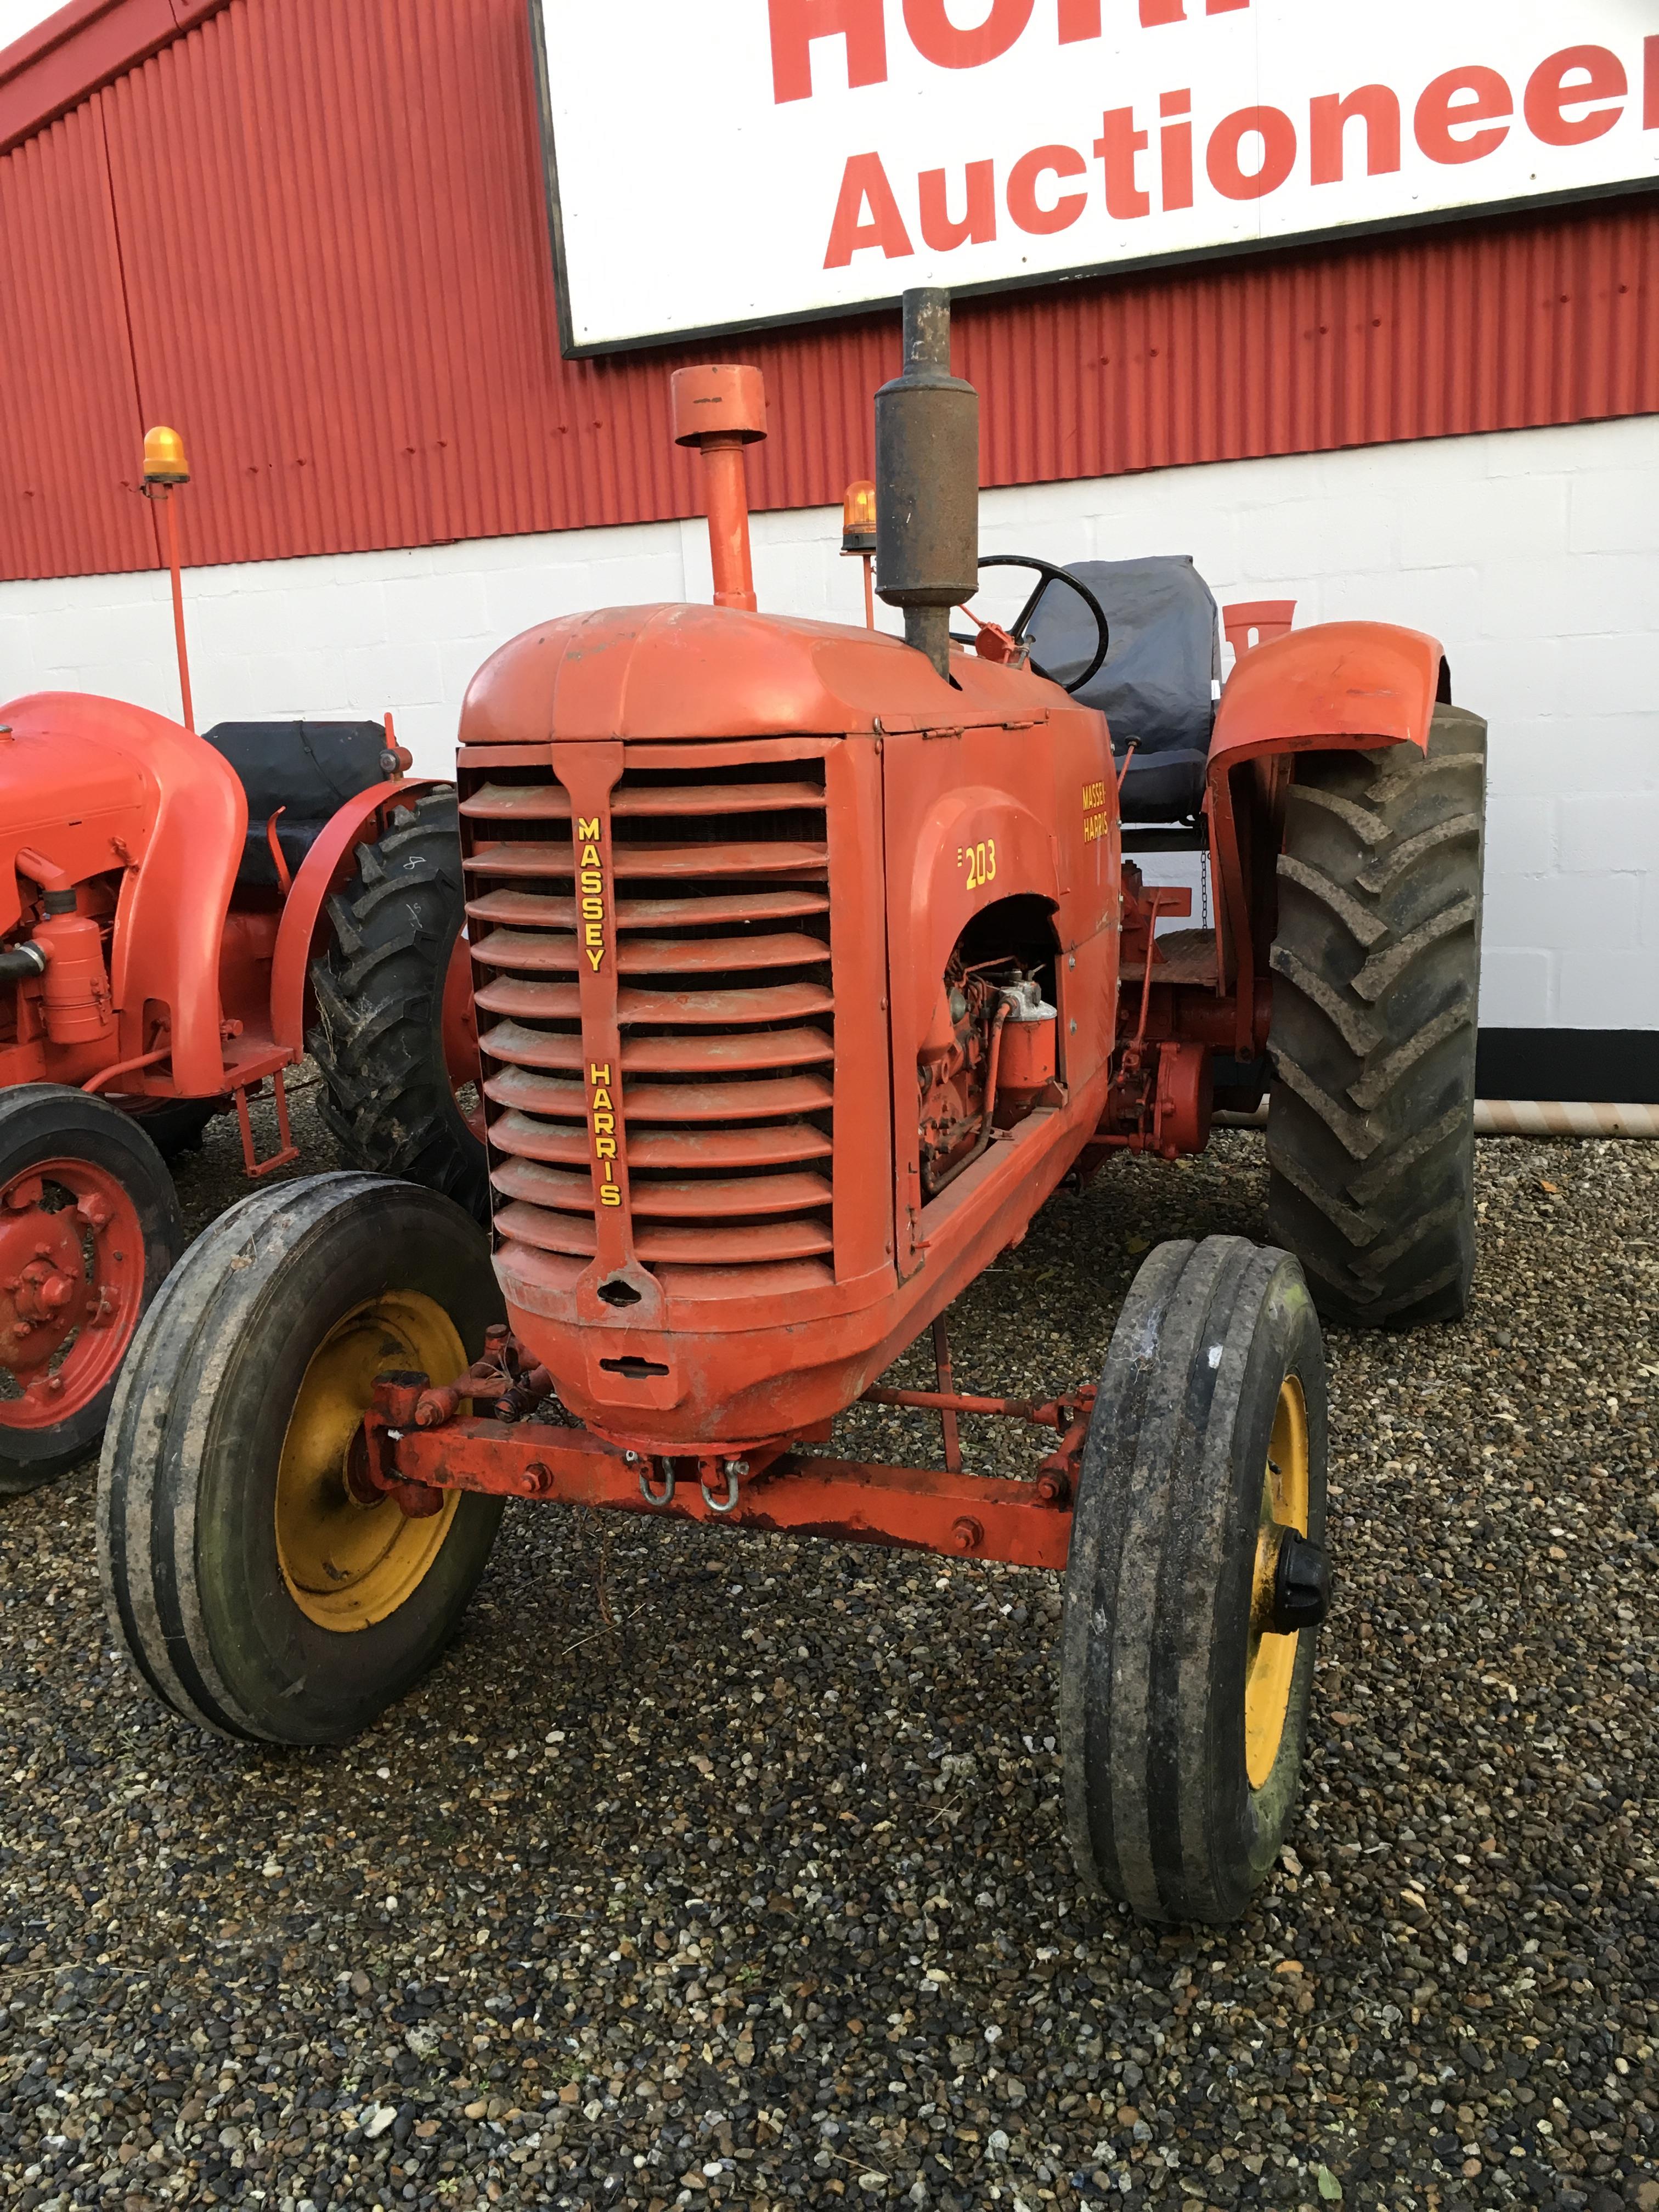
[1157,686]
[311,768]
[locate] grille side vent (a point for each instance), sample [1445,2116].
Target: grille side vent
[721,903]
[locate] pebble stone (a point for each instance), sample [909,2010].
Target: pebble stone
[712,1870]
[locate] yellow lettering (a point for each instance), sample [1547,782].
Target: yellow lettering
[604,1148]
[593,932]
[590,856]
[590,883]
[602,1097]
[611,1197]
[587,829]
[605,1123]
[596,960]
[598,1074]
[594,910]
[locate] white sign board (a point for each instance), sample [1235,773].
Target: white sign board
[719,164]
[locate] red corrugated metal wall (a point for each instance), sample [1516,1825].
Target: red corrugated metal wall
[311,233]
[68,403]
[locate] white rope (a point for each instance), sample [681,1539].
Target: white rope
[1524,1117]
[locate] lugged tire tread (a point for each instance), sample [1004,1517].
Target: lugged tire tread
[1376,1001]
[386,1098]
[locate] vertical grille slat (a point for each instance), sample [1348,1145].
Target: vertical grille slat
[724,1005]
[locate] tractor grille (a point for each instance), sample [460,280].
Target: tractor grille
[720,896]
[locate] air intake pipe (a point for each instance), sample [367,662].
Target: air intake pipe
[928,482]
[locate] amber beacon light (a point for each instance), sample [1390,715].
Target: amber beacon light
[858,538]
[166,468]
[164,458]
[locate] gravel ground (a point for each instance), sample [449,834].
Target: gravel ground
[712,1871]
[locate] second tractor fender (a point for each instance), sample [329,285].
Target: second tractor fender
[1336,686]
[975,846]
[324,869]
[178,876]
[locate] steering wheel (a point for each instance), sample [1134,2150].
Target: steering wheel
[1046,574]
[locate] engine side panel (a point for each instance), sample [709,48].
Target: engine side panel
[976,819]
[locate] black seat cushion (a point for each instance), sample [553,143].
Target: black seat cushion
[1157,687]
[310,768]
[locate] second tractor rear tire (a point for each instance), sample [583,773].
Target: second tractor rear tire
[390,1094]
[254,1594]
[1377,981]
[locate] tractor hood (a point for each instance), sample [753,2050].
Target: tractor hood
[67,794]
[678,672]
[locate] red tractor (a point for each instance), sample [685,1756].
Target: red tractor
[176,912]
[809,966]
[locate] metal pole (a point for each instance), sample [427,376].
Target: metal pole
[178,608]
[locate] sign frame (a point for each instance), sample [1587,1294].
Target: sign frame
[885,302]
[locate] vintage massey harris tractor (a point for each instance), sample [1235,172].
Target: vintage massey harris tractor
[176,912]
[810,966]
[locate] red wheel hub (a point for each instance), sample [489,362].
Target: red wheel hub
[71,1283]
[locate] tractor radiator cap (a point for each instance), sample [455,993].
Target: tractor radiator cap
[926,468]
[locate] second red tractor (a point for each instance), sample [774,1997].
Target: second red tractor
[179,916]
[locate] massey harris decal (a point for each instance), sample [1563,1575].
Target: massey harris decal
[590,894]
[602,1120]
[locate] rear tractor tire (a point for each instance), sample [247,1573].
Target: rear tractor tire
[1196,1583]
[1376,980]
[88,1228]
[252,1592]
[396,1037]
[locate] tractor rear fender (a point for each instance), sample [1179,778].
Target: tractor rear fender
[1350,686]
[325,868]
[176,890]
[1335,687]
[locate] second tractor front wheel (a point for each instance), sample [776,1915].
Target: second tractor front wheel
[254,1593]
[88,1228]
[1196,1583]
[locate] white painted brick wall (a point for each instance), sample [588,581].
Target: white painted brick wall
[1534,555]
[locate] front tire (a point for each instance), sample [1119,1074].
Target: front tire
[89,1226]
[1182,1711]
[253,1594]
[1376,985]
[396,1038]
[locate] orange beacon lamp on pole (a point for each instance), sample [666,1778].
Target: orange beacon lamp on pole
[858,539]
[165,466]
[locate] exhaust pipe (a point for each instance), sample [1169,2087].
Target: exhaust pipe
[928,482]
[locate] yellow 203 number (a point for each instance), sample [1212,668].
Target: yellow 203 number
[982,864]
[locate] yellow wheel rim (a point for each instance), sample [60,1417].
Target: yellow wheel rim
[1271,1667]
[349,1565]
